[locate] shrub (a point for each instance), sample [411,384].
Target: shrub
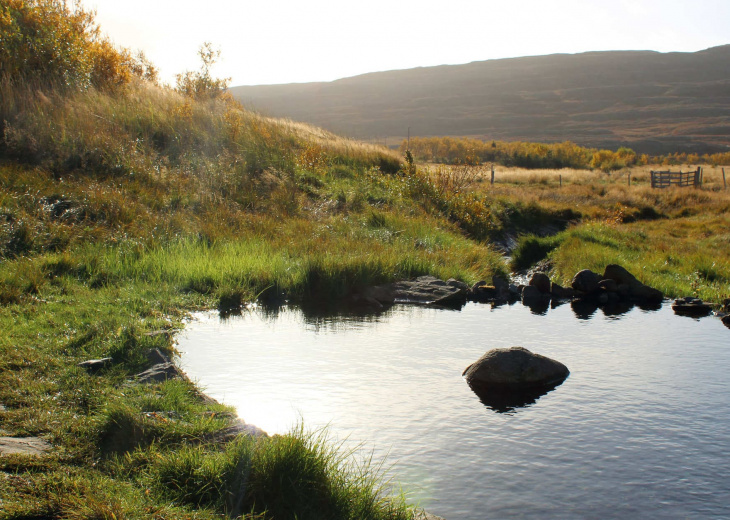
[47,42]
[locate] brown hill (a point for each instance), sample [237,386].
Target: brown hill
[653,102]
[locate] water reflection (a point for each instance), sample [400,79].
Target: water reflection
[508,401]
[645,413]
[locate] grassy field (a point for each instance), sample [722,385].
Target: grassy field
[675,239]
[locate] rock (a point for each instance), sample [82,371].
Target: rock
[479,285]
[500,283]
[608,285]
[541,281]
[422,290]
[159,373]
[420,514]
[155,356]
[636,289]
[482,292]
[514,368]
[726,321]
[560,292]
[236,429]
[586,281]
[32,446]
[645,293]
[531,295]
[94,365]
[367,302]
[690,306]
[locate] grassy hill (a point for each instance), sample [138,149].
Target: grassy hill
[652,102]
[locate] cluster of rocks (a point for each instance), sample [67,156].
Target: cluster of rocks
[615,285]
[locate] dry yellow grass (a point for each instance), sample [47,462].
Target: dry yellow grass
[601,195]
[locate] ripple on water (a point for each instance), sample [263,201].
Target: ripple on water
[638,430]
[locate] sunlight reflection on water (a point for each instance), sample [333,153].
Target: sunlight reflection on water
[638,430]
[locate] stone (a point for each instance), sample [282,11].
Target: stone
[693,307]
[645,293]
[500,283]
[422,290]
[531,295]
[636,289]
[94,365]
[726,321]
[155,356]
[586,281]
[479,285]
[541,281]
[514,368]
[560,292]
[31,446]
[608,285]
[239,427]
[159,373]
[484,292]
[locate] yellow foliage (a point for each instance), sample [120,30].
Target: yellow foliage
[46,41]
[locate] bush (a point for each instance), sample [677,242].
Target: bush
[47,42]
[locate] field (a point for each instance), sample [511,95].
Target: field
[676,239]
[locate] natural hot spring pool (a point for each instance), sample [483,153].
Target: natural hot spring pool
[640,429]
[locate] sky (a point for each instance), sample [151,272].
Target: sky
[296,41]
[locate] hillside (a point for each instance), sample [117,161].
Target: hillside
[653,102]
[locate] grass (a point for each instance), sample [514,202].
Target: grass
[122,209]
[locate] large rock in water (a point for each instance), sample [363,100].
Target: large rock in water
[635,288]
[422,290]
[514,368]
[586,281]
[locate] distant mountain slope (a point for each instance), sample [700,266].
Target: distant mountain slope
[651,101]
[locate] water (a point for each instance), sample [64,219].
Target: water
[640,429]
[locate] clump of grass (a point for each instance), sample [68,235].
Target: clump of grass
[300,475]
[531,249]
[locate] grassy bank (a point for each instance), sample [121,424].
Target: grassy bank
[123,206]
[674,239]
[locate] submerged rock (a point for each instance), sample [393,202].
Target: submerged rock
[514,367]
[422,290]
[690,306]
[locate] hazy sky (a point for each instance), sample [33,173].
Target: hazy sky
[285,41]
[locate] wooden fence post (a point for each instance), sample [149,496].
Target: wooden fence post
[561,180]
[492,181]
[629,179]
[724,183]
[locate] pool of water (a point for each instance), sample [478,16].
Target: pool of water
[640,429]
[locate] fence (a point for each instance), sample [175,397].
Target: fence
[664,179]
